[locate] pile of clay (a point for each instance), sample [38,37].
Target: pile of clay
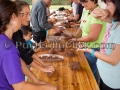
[75,65]
[70,53]
[51,58]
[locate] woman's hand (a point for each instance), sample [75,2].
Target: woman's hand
[100,13]
[48,69]
[85,50]
[73,39]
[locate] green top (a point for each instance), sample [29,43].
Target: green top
[86,21]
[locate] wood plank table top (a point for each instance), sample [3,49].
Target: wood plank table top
[65,78]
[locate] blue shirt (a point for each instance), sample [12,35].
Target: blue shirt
[30,43]
[10,65]
[110,74]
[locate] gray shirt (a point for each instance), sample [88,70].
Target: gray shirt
[39,17]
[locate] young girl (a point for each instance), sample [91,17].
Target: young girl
[108,62]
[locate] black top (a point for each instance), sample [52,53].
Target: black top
[79,10]
[23,47]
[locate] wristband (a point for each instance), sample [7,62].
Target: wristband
[93,52]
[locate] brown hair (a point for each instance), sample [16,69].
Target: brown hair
[95,1]
[7,8]
[20,4]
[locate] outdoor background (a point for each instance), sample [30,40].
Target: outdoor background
[55,4]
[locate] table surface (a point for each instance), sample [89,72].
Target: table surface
[65,78]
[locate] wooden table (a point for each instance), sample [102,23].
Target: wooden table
[66,79]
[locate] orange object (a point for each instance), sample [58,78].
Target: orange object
[71,11]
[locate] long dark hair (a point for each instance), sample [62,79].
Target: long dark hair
[7,8]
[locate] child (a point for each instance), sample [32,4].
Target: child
[27,35]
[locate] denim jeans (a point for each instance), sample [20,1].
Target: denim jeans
[92,62]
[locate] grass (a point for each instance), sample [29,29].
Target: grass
[55,7]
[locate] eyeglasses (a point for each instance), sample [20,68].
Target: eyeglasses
[25,14]
[82,2]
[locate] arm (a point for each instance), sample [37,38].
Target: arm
[42,19]
[34,64]
[14,74]
[30,86]
[43,23]
[34,56]
[52,20]
[113,58]
[76,17]
[27,71]
[94,34]
[78,33]
[102,14]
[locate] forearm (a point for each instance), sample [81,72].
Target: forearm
[107,19]
[29,86]
[104,57]
[34,64]
[27,71]
[34,56]
[102,14]
[76,17]
[86,39]
[78,33]
[37,49]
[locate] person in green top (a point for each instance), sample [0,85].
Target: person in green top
[91,32]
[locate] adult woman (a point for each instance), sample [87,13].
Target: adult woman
[91,32]
[25,52]
[11,75]
[109,59]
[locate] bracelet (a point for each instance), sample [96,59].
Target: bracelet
[93,52]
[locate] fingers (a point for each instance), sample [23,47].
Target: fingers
[51,68]
[78,49]
[98,12]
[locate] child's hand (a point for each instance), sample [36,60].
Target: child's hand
[48,69]
[47,64]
